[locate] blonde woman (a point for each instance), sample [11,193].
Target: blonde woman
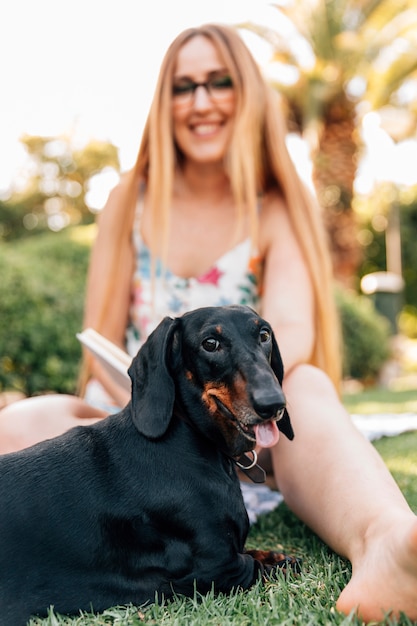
[214,213]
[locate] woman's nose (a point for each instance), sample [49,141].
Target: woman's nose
[202,99]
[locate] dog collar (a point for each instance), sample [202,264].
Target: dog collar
[251,468]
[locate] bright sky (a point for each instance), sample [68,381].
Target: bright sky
[90,66]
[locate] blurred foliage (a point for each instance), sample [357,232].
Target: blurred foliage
[373,211]
[365,50]
[407,322]
[41,309]
[55,192]
[365,336]
[334,61]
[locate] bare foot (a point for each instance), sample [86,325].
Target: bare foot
[29,421]
[385,581]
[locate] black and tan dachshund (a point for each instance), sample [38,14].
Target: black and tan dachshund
[148,501]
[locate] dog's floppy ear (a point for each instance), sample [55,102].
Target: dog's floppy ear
[153,390]
[284,424]
[276,360]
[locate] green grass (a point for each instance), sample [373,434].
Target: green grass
[399,453]
[377,400]
[306,600]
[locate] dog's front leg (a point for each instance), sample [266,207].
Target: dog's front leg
[272,561]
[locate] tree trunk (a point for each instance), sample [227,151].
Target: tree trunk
[334,168]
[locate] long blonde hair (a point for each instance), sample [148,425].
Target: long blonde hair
[257,160]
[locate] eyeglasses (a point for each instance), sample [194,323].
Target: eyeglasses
[218,88]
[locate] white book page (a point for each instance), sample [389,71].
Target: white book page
[115,360]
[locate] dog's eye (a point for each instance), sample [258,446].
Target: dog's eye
[265,335]
[210,344]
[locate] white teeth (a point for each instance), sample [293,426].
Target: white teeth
[205,129]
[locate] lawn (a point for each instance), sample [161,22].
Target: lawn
[307,600]
[377,400]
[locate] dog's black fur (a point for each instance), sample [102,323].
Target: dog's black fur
[147,500]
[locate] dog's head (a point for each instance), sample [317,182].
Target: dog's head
[222,368]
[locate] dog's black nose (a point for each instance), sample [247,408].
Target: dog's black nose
[268,403]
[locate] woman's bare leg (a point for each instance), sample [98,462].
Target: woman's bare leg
[335,481]
[29,421]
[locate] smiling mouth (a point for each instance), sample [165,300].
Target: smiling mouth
[206,130]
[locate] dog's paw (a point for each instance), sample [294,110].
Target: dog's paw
[276,561]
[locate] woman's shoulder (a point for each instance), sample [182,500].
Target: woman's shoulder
[128,181]
[115,220]
[120,199]
[274,220]
[272,207]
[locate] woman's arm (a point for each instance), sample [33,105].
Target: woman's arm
[109,281]
[287,299]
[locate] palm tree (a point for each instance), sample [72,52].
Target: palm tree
[357,56]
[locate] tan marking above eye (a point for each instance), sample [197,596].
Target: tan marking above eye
[189,375]
[219,329]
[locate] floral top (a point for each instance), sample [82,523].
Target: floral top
[233,279]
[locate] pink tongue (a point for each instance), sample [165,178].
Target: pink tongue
[267,434]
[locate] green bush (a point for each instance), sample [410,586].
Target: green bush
[365,336]
[41,308]
[408,321]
